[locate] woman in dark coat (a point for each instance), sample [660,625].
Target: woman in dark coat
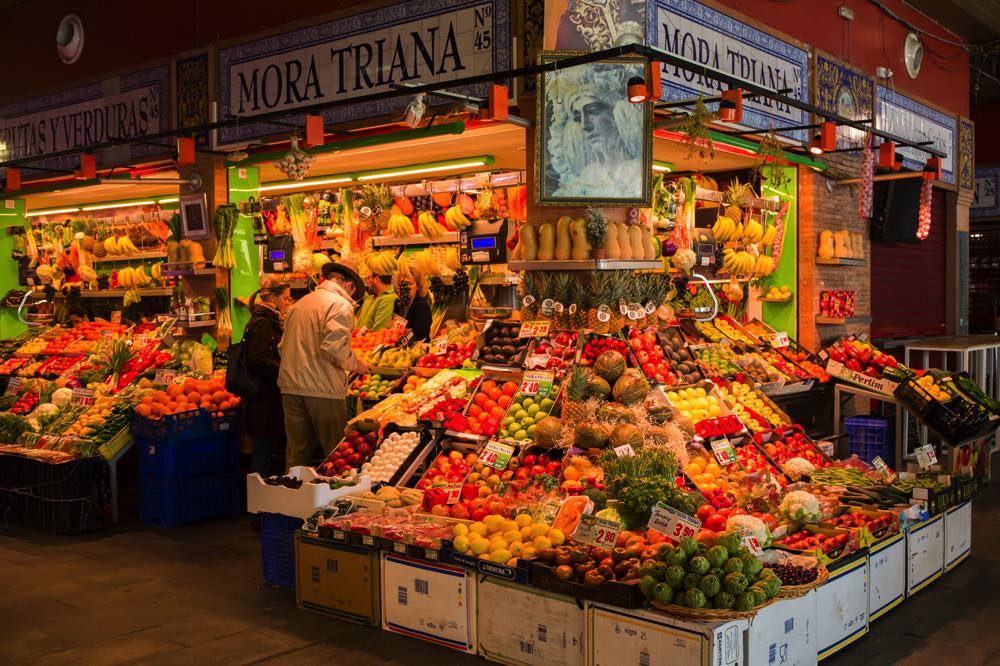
[265,420]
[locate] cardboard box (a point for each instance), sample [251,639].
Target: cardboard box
[842,605]
[520,625]
[784,633]
[957,535]
[886,576]
[840,371]
[337,579]
[924,554]
[432,602]
[618,636]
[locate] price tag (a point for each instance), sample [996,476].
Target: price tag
[724,452]
[496,455]
[623,307]
[439,346]
[398,323]
[883,468]
[368,540]
[624,451]
[537,382]
[596,531]
[752,544]
[547,304]
[926,456]
[165,376]
[667,520]
[13,386]
[572,309]
[604,314]
[779,340]
[209,342]
[650,307]
[528,300]
[82,396]
[535,329]
[116,317]
[454,491]
[399,547]
[558,307]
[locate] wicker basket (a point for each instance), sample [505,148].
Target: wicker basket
[794,591]
[709,614]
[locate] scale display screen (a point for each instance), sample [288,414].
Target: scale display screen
[276,255]
[484,243]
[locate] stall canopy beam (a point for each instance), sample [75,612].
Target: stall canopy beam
[650,53]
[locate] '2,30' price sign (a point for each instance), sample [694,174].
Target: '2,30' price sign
[596,531]
[674,524]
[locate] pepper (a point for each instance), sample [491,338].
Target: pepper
[852,364]
[837,354]
[872,372]
[435,497]
[469,491]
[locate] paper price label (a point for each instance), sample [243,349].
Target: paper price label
[13,386]
[528,300]
[623,308]
[779,340]
[667,520]
[496,455]
[398,323]
[454,491]
[926,456]
[598,532]
[603,316]
[752,544]
[558,307]
[883,468]
[439,346]
[82,396]
[624,451]
[537,383]
[572,309]
[547,304]
[650,308]
[165,376]
[724,452]
[535,329]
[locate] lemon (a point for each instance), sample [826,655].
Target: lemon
[527,552]
[460,529]
[485,556]
[461,544]
[500,556]
[496,544]
[556,537]
[517,549]
[509,525]
[700,392]
[512,562]
[526,533]
[493,522]
[512,536]
[542,542]
[479,528]
[538,529]
[523,520]
[479,546]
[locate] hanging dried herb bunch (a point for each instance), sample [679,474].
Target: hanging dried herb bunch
[769,163]
[696,131]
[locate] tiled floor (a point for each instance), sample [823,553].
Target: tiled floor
[191,596]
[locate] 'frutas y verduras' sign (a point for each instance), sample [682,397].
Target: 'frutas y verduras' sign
[703,35]
[416,42]
[127,107]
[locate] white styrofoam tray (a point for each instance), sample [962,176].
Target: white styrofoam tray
[300,502]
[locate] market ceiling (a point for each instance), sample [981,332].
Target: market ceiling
[653,54]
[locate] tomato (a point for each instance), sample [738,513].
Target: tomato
[737,511]
[716,522]
[704,511]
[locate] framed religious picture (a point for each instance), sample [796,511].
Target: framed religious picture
[194,217]
[593,147]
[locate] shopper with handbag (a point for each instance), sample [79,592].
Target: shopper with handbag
[265,419]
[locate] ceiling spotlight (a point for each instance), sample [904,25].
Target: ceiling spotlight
[731,106]
[415,111]
[637,91]
[815,146]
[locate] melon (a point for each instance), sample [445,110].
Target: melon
[631,388]
[598,387]
[318,259]
[548,431]
[609,366]
[615,412]
[589,435]
[626,433]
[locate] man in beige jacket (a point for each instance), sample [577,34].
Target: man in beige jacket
[315,359]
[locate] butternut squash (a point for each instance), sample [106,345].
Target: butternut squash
[842,243]
[194,253]
[528,242]
[546,242]
[857,245]
[649,252]
[826,248]
[578,235]
[611,248]
[635,240]
[564,243]
[624,245]
[173,251]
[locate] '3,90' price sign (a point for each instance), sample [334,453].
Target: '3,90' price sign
[674,524]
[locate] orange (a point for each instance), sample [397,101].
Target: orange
[489,405]
[143,409]
[171,407]
[509,388]
[146,400]
[173,390]
[226,405]
[504,401]
[480,398]
[218,396]
[475,411]
[194,396]
[181,399]
[495,394]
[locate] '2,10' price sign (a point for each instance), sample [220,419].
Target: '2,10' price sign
[598,532]
[674,524]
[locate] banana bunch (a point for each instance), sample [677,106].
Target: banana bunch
[156,274]
[457,219]
[429,226]
[423,262]
[392,357]
[769,235]
[753,232]
[120,246]
[451,259]
[725,228]
[400,226]
[381,263]
[403,268]
[133,277]
[740,264]
[764,266]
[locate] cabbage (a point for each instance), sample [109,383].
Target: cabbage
[318,259]
[46,409]
[61,397]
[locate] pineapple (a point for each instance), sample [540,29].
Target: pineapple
[87,244]
[574,407]
[527,288]
[600,295]
[377,201]
[581,297]
[735,197]
[560,285]
[621,286]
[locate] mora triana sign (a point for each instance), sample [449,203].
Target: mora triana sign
[123,108]
[416,42]
[707,37]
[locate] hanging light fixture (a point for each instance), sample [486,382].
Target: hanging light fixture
[415,111]
[815,146]
[731,106]
[637,91]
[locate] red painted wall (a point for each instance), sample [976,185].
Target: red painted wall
[872,40]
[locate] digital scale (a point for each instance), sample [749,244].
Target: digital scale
[278,254]
[484,242]
[703,244]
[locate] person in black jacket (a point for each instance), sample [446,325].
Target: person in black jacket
[265,420]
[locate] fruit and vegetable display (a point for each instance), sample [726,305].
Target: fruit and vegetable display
[502,345]
[372,386]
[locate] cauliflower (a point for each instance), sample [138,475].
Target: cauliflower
[46,409]
[61,397]
[750,526]
[797,467]
[800,506]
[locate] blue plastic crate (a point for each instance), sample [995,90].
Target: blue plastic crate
[223,421]
[187,458]
[170,428]
[277,548]
[871,436]
[174,503]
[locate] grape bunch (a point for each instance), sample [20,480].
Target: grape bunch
[793,574]
[403,299]
[461,280]
[422,203]
[439,289]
